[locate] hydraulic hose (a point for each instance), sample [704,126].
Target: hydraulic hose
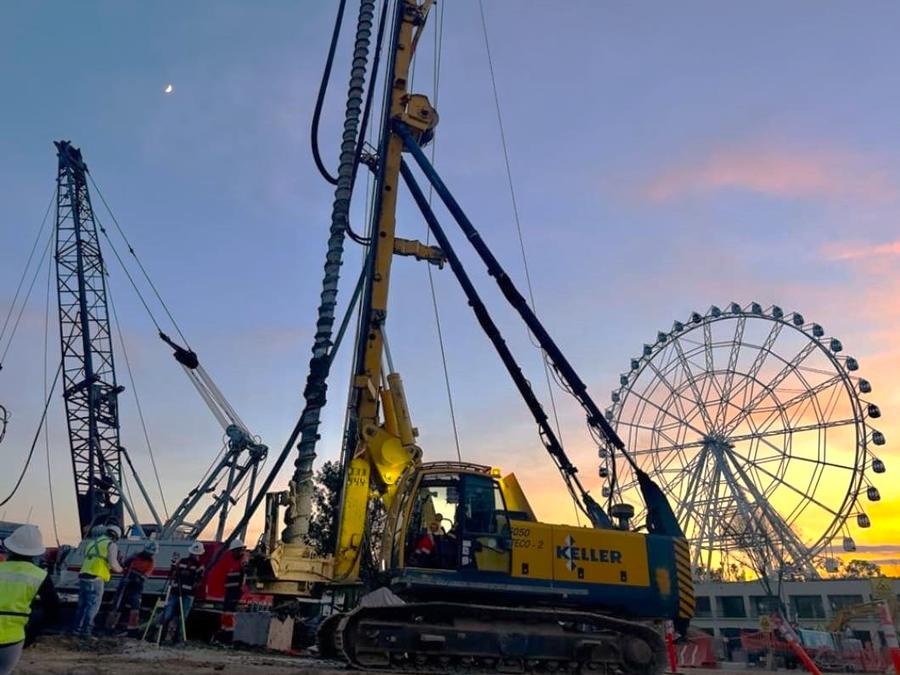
[320,98]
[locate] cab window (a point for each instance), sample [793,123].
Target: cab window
[431,537]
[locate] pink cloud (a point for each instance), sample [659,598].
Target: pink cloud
[850,251]
[775,171]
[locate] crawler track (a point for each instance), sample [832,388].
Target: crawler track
[442,637]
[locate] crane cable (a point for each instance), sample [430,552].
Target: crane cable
[515,208]
[137,401]
[37,435]
[46,427]
[216,395]
[139,264]
[37,271]
[438,51]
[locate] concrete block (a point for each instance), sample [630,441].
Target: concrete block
[264,629]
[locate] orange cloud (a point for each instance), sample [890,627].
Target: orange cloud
[775,171]
[850,251]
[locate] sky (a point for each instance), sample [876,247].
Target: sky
[664,159]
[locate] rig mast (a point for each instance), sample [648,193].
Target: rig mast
[89,376]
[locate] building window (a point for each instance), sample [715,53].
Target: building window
[731,606]
[703,608]
[763,605]
[808,606]
[839,602]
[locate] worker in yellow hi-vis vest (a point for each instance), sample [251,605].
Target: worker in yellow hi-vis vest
[101,559]
[21,582]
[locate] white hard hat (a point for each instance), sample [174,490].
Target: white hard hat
[25,540]
[151,547]
[114,530]
[236,544]
[197,548]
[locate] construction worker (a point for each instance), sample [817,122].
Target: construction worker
[425,553]
[235,563]
[101,560]
[131,589]
[187,574]
[21,582]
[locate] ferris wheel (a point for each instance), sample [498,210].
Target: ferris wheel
[751,421]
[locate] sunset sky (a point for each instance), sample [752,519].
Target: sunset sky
[665,158]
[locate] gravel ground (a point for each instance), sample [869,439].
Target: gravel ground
[117,656]
[55,655]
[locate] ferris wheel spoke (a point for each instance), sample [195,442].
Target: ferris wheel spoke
[811,460]
[708,347]
[762,352]
[800,492]
[805,396]
[666,448]
[789,367]
[675,395]
[792,430]
[730,371]
[666,412]
[692,381]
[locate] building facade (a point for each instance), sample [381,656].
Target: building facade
[724,609]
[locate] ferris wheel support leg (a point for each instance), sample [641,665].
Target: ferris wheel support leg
[805,658]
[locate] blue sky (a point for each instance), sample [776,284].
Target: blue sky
[665,158]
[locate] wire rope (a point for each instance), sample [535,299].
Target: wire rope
[515,208]
[46,428]
[139,263]
[37,435]
[15,326]
[438,52]
[137,401]
[37,239]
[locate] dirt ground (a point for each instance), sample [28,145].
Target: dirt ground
[55,655]
[116,656]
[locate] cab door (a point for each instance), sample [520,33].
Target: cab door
[485,540]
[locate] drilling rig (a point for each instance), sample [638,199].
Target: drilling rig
[467,576]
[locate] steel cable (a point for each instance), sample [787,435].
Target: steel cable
[37,435]
[46,429]
[37,239]
[438,52]
[515,208]
[137,401]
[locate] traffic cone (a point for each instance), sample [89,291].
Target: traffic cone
[890,635]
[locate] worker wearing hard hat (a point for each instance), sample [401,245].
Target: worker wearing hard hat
[186,576]
[101,560]
[127,603]
[235,563]
[21,582]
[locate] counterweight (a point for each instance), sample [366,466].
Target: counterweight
[89,376]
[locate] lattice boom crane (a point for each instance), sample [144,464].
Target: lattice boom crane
[89,377]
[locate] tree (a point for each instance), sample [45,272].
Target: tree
[702,573]
[860,569]
[322,535]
